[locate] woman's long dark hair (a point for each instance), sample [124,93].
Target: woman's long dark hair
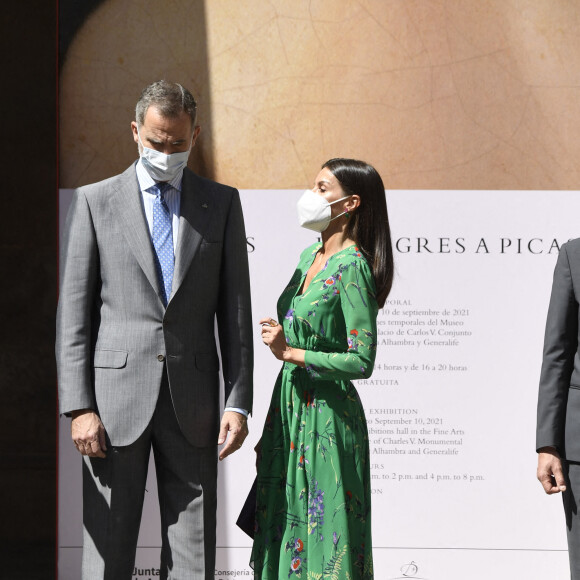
[368,225]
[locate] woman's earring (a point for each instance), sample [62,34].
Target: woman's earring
[347,214]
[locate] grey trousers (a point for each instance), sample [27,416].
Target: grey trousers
[113,492]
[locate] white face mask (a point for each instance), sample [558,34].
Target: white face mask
[160,166]
[314,211]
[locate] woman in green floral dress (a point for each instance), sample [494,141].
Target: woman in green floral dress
[313,494]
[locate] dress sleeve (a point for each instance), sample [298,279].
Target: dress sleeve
[359,307]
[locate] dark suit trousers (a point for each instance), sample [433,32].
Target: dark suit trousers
[113,492]
[571,499]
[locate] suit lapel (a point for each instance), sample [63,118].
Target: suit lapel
[194,215]
[127,200]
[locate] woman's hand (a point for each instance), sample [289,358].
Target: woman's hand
[273,336]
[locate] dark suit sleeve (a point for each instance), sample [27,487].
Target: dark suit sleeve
[234,312]
[78,280]
[560,346]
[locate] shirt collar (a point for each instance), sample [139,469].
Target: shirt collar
[146,181]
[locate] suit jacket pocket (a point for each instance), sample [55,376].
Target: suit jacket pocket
[110,359]
[211,246]
[207,362]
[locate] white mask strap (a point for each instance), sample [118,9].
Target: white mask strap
[333,202]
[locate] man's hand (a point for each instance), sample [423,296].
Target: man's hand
[88,433]
[550,473]
[237,426]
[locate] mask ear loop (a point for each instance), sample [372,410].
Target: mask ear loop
[344,212]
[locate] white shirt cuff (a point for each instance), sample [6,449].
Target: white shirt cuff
[237,410]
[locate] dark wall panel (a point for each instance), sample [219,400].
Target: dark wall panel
[28,260]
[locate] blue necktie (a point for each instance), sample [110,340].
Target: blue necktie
[163,239]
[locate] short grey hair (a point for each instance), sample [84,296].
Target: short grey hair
[170,98]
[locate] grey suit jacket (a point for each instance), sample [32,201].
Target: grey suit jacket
[114,334]
[559,395]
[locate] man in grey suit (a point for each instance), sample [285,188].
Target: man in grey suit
[149,260]
[558,428]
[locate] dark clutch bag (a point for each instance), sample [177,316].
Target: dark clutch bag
[247,516]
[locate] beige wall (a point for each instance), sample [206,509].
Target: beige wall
[443,94]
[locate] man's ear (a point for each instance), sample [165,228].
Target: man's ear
[135,132]
[196,132]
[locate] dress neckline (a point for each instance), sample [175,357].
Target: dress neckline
[301,290]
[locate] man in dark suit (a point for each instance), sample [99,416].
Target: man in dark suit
[149,260]
[558,430]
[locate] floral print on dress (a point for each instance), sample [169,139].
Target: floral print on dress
[352,340]
[295,547]
[315,509]
[313,497]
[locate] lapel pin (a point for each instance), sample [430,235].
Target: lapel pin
[204,205]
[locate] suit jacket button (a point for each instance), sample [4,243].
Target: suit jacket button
[160,358]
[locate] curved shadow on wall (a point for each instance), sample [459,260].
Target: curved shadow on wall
[109,50]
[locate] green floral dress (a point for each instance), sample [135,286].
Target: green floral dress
[314,496]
